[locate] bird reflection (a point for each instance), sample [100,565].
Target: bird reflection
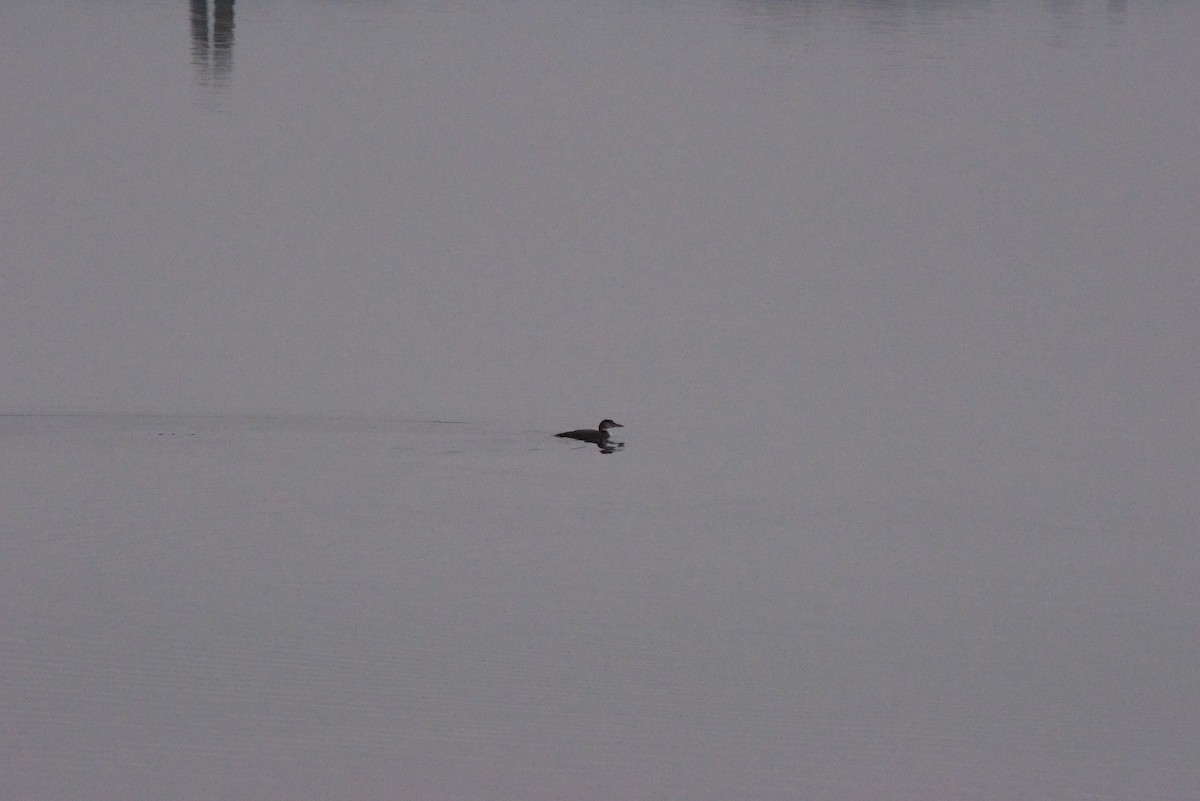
[212,56]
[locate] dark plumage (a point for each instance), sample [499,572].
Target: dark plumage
[595,436]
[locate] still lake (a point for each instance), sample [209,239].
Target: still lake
[897,302]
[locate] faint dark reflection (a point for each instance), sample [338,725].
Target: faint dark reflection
[212,54]
[198,16]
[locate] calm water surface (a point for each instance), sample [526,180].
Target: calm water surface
[897,302]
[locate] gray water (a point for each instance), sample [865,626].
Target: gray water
[897,302]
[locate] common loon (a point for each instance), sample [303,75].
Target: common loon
[596,437]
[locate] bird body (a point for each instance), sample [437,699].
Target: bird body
[596,436]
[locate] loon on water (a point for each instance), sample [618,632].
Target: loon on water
[595,436]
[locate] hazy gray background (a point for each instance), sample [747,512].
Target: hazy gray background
[898,302]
